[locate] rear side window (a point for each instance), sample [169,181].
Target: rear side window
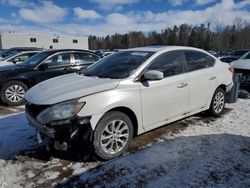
[197,60]
[170,63]
[85,58]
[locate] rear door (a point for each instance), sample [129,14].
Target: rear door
[202,78]
[83,59]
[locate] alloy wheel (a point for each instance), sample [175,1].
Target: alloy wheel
[114,136]
[14,93]
[219,101]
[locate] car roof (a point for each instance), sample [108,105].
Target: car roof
[30,51]
[69,50]
[159,48]
[25,48]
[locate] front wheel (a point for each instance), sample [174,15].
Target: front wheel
[113,135]
[12,93]
[218,103]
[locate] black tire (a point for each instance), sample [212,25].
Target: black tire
[7,100]
[212,110]
[102,124]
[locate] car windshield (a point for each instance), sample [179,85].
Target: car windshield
[8,54]
[246,56]
[36,58]
[240,52]
[118,65]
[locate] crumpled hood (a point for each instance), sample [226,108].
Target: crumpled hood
[241,64]
[67,87]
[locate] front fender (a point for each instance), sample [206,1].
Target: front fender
[100,103]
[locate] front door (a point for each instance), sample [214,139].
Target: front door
[166,99]
[57,65]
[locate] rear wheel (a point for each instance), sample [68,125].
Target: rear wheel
[113,135]
[12,93]
[218,102]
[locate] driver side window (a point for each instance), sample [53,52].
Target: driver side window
[170,63]
[58,60]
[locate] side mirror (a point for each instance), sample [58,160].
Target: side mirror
[153,75]
[43,66]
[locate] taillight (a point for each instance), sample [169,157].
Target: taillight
[231,69]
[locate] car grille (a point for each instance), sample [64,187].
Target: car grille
[243,71]
[34,110]
[245,77]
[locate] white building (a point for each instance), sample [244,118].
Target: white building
[40,40]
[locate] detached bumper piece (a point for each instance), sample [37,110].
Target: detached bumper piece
[232,96]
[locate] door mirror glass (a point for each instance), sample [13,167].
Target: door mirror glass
[43,67]
[153,75]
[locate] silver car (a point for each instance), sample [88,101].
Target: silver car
[126,94]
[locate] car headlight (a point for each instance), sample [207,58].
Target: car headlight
[61,111]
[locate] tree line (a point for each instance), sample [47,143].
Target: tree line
[220,38]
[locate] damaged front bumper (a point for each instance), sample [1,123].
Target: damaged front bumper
[39,127]
[62,133]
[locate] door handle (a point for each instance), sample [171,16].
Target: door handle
[212,78]
[182,85]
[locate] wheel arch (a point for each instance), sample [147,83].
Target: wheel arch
[130,114]
[26,82]
[222,86]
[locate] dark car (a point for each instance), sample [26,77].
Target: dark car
[13,51]
[16,79]
[228,59]
[240,53]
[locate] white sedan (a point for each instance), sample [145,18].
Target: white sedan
[17,58]
[126,94]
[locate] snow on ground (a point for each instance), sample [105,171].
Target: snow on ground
[204,152]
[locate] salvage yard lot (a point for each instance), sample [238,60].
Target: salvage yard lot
[196,152]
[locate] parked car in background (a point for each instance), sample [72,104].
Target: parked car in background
[126,94]
[17,78]
[105,54]
[98,53]
[243,66]
[227,59]
[213,52]
[13,51]
[17,58]
[239,53]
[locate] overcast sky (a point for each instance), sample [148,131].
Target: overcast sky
[102,17]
